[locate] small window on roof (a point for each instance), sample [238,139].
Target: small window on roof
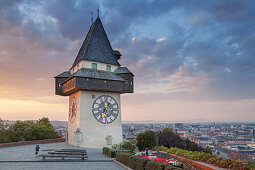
[78,67]
[108,68]
[94,66]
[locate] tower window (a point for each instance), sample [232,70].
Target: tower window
[94,66]
[78,67]
[108,68]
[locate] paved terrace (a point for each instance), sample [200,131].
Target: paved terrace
[23,157]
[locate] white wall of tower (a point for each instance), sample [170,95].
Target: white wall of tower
[76,124]
[94,132]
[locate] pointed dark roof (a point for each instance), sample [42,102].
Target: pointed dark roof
[63,75]
[122,70]
[96,46]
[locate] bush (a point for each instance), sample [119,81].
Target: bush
[140,162]
[153,165]
[116,147]
[128,145]
[147,139]
[123,158]
[109,152]
[162,148]
[131,162]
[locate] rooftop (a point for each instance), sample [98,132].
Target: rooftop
[96,46]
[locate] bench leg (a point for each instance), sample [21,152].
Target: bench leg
[43,158]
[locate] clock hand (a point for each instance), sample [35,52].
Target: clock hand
[104,109]
[108,104]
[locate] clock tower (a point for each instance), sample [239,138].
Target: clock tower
[94,84]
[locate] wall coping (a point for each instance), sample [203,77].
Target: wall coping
[12,144]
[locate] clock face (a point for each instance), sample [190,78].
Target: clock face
[72,110]
[105,109]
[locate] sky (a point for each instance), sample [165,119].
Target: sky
[192,60]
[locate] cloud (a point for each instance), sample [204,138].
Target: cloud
[197,50]
[161,40]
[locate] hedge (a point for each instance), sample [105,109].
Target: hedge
[109,152]
[140,163]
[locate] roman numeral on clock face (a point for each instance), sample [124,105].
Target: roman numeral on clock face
[105,109]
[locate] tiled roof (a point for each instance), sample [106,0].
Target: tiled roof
[122,70]
[97,74]
[96,46]
[64,74]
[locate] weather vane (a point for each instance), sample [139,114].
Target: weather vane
[91,16]
[98,12]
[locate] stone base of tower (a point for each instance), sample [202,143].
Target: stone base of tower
[95,134]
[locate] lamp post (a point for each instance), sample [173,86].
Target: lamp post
[78,136]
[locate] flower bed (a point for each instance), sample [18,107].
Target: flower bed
[212,159]
[154,156]
[138,163]
[170,161]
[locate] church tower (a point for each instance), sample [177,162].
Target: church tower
[94,84]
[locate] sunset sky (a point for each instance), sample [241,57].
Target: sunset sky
[192,60]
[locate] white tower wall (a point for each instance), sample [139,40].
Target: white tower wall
[94,132]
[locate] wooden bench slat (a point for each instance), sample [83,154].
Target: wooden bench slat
[44,156]
[67,153]
[73,150]
[70,151]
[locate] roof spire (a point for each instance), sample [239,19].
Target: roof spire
[98,11]
[91,17]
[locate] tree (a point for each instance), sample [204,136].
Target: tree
[3,125]
[15,132]
[45,121]
[208,150]
[168,138]
[27,130]
[40,131]
[3,130]
[147,139]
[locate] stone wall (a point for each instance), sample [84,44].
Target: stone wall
[3,145]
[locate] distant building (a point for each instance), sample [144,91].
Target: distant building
[179,126]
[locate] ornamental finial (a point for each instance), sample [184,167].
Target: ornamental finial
[98,12]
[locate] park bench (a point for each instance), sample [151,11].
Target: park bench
[44,156]
[67,153]
[73,149]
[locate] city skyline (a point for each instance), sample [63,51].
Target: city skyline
[191,61]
